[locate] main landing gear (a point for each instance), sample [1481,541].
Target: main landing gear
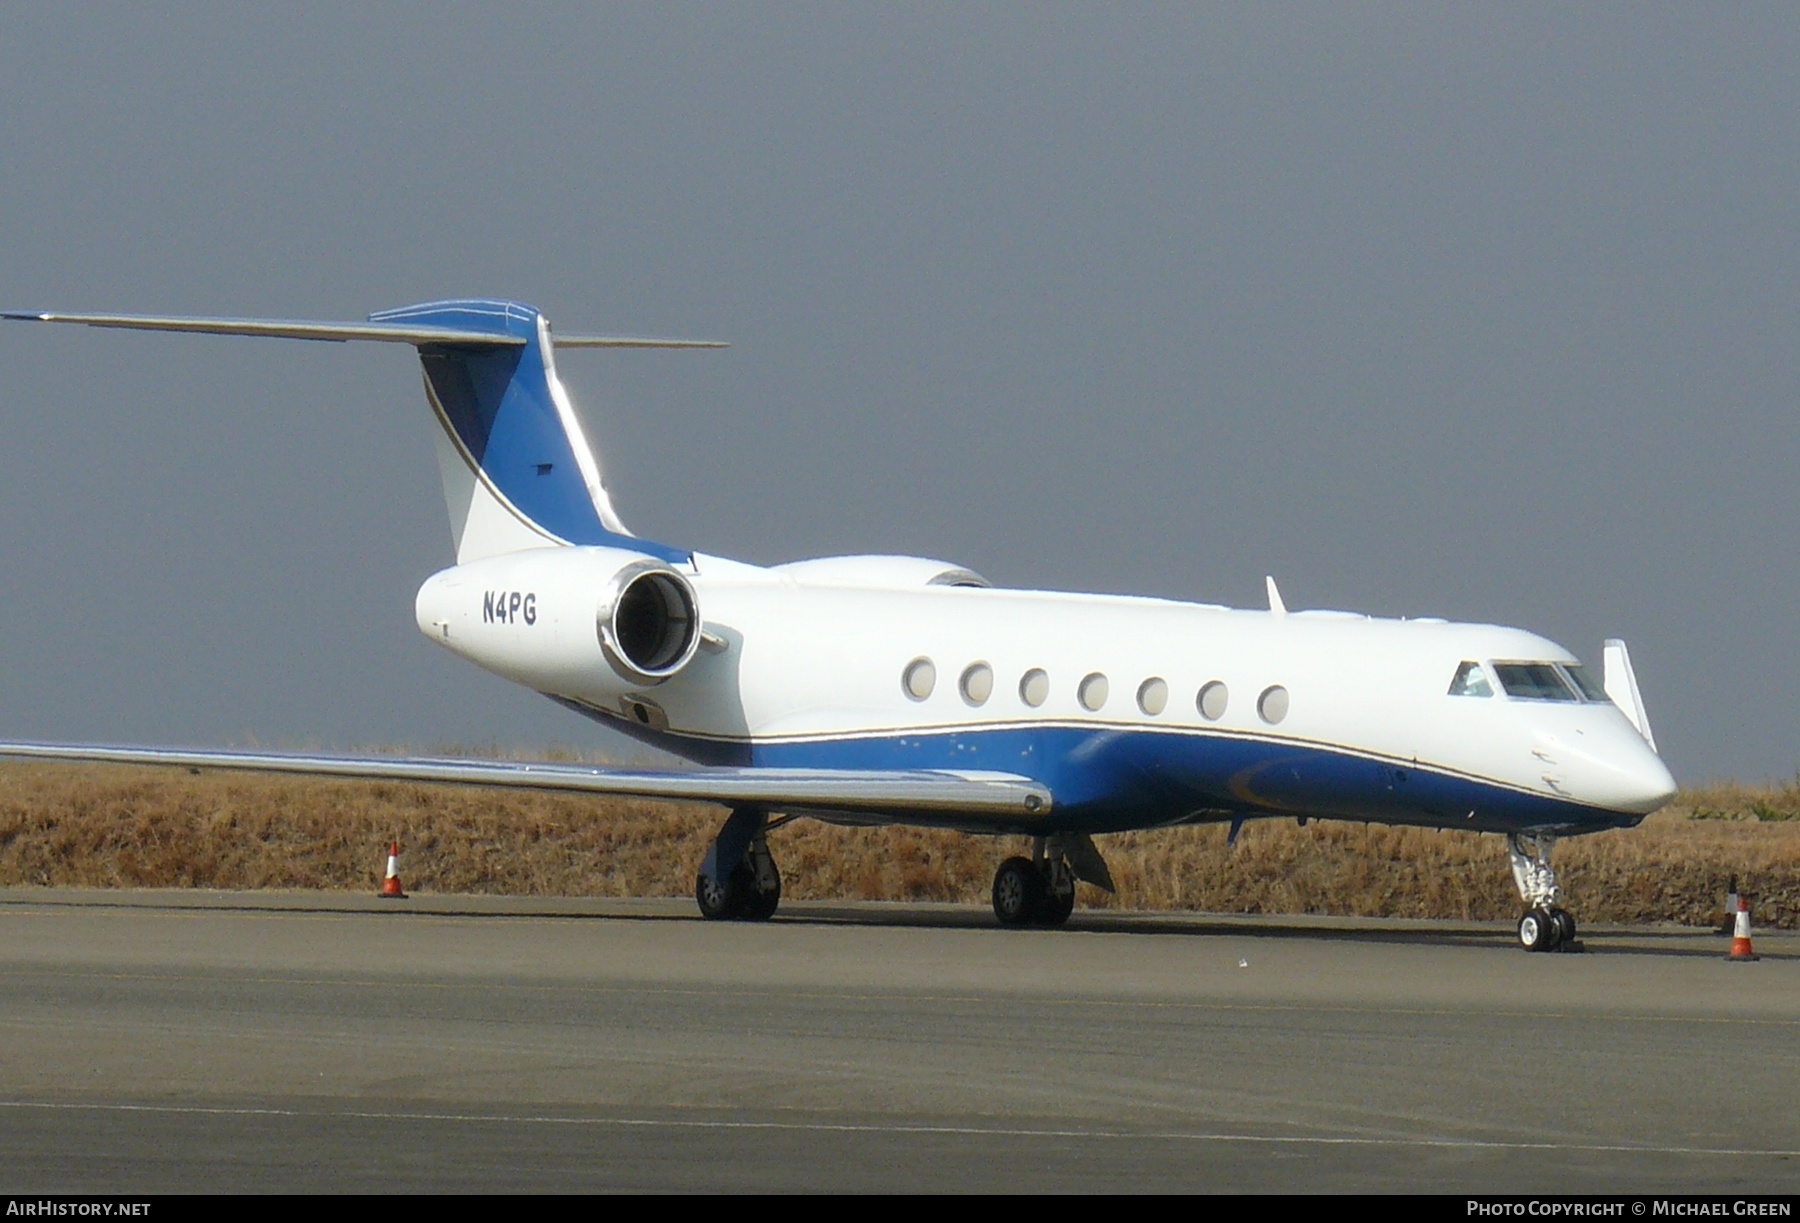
[1546,926]
[738,880]
[1040,890]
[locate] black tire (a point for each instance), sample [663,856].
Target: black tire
[760,905]
[1019,892]
[1537,931]
[718,901]
[1553,939]
[1565,925]
[1056,908]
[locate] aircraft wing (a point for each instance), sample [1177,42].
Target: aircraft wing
[979,796]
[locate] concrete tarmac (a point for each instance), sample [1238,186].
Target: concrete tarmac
[187,1041]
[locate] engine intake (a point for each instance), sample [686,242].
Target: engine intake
[648,622]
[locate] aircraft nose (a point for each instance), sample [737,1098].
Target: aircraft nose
[1649,785]
[1613,766]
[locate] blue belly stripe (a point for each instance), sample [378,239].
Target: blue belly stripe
[1111,779]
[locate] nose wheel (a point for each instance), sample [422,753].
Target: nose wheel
[1547,930]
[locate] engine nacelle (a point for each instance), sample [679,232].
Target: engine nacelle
[571,621]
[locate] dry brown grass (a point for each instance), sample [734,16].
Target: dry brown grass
[104,826]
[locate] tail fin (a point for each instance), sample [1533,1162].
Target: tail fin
[518,471]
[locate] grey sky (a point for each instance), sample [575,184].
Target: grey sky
[1480,312]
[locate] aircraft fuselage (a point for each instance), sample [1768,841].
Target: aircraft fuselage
[1134,712]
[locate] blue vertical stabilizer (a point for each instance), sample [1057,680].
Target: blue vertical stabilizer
[519,471]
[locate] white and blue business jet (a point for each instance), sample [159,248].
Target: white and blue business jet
[890,689]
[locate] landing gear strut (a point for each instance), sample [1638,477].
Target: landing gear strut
[738,880]
[1040,890]
[1546,925]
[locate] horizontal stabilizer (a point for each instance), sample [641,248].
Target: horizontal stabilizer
[875,792]
[280,329]
[296,329]
[518,470]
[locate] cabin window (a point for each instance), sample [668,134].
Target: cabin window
[1533,681]
[919,678]
[1471,680]
[1585,680]
[1034,687]
[1212,700]
[977,683]
[1092,692]
[1272,705]
[1153,696]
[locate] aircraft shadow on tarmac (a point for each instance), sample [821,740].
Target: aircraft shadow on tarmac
[1661,941]
[1499,936]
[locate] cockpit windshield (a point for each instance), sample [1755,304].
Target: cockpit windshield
[1471,680]
[1591,688]
[1534,681]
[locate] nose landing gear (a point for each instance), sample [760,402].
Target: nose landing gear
[1546,925]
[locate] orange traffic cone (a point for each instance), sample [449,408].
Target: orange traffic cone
[1740,937]
[391,889]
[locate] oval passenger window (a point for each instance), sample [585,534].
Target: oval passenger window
[1272,705]
[1034,687]
[919,678]
[1092,692]
[1213,699]
[977,683]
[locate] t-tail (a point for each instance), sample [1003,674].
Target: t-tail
[518,469]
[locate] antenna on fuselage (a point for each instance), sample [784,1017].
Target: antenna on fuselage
[1276,606]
